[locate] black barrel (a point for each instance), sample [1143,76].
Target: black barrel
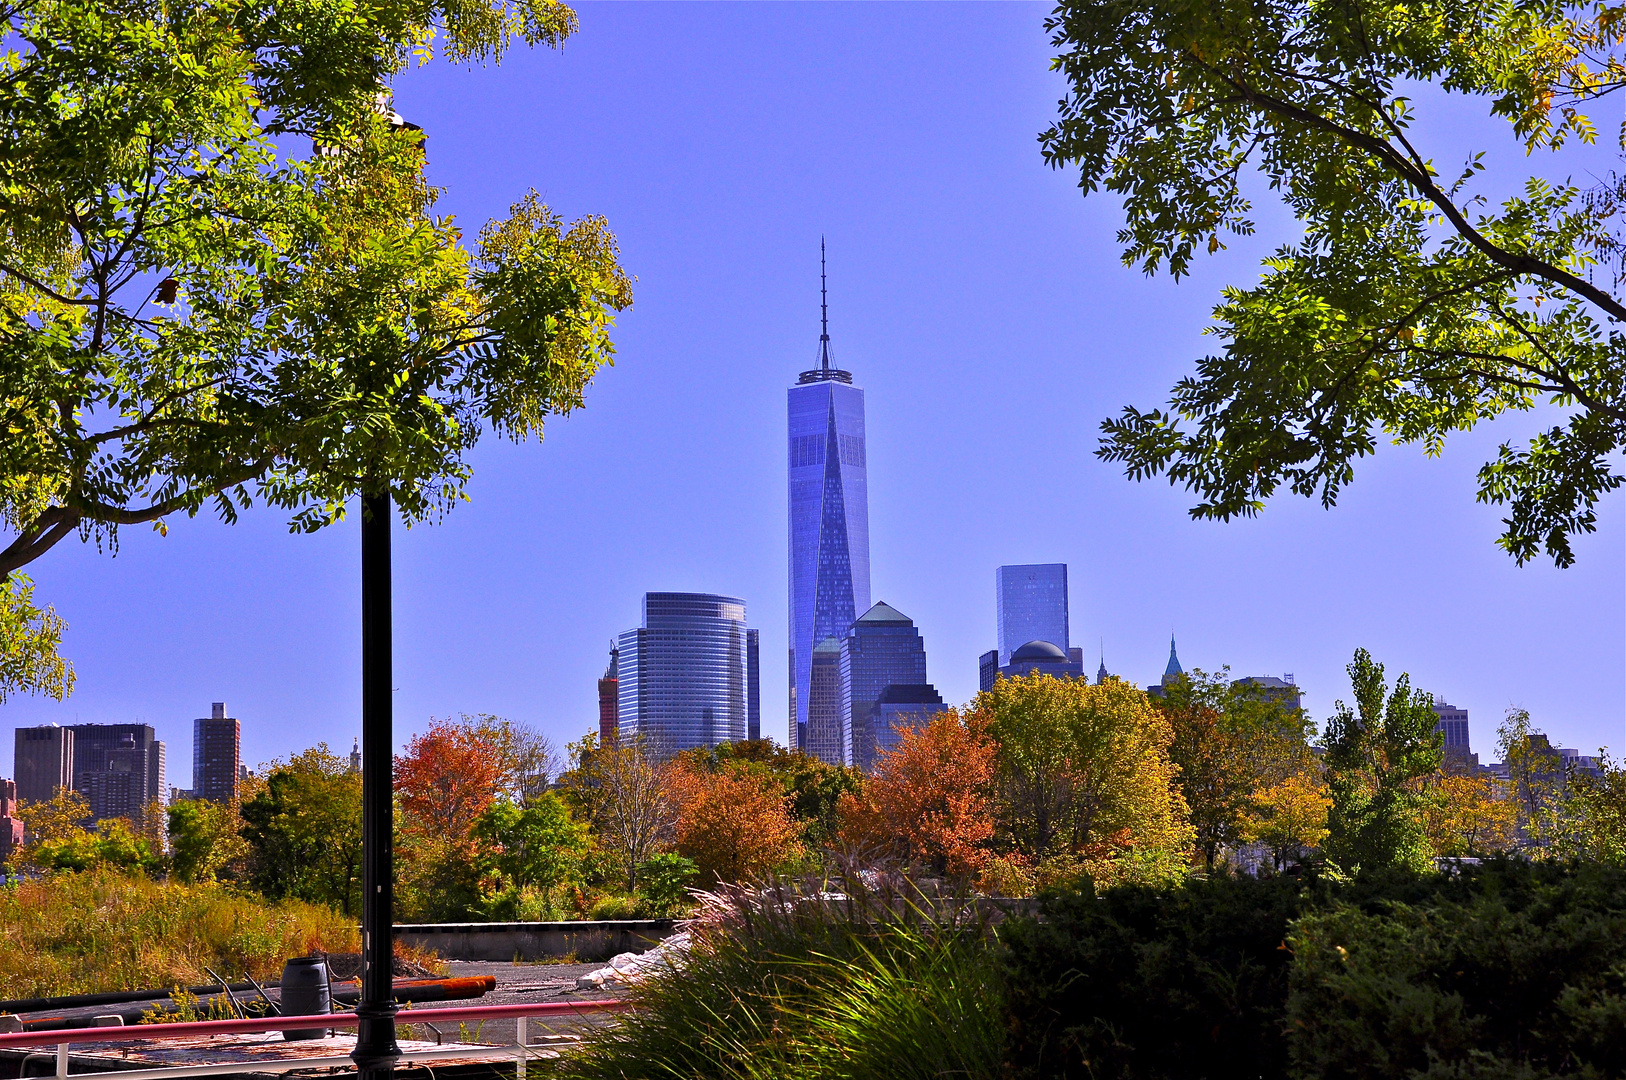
[305,993]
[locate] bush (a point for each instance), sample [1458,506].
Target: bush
[664,881]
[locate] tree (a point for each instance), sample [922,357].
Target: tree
[1083,773]
[1589,819]
[29,639]
[1464,815]
[60,817]
[113,843]
[1290,817]
[205,838]
[733,822]
[927,802]
[534,846]
[1230,741]
[451,773]
[195,312]
[812,786]
[303,829]
[1403,305]
[1375,757]
[1536,773]
[625,795]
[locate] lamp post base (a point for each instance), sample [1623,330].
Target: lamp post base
[376,1049]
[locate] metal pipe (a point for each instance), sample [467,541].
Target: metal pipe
[185,1072]
[140,1032]
[376,1048]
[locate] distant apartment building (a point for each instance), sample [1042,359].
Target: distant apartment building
[217,759]
[1030,602]
[119,768]
[608,700]
[882,649]
[44,761]
[900,708]
[684,676]
[11,827]
[753,685]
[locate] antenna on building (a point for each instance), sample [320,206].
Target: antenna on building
[824,313]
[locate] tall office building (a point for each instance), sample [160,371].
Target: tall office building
[1453,724]
[829,520]
[684,677]
[609,704]
[119,768]
[216,755]
[899,708]
[44,762]
[1031,605]
[1033,658]
[882,649]
[821,735]
[753,685]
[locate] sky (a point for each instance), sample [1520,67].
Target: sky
[979,301]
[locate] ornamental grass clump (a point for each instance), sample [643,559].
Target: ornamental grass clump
[785,982]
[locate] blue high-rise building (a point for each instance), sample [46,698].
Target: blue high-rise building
[685,678]
[829,525]
[883,649]
[901,707]
[1031,605]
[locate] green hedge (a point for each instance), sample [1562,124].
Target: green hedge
[1502,971]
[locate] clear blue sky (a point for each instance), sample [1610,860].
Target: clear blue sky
[981,305]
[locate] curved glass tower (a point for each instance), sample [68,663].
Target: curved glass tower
[684,677]
[829,528]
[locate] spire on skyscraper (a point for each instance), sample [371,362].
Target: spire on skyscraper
[825,372]
[1101,674]
[1174,670]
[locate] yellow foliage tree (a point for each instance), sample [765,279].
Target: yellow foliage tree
[1291,816]
[734,824]
[61,817]
[1083,776]
[1466,816]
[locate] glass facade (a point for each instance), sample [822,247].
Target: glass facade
[883,649]
[1031,605]
[119,768]
[829,531]
[684,678]
[823,732]
[899,708]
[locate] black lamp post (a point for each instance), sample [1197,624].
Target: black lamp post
[376,1049]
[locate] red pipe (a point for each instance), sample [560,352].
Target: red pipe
[137,1032]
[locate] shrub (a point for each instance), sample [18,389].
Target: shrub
[665,881]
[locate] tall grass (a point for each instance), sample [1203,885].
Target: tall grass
[782,986]
[101,930]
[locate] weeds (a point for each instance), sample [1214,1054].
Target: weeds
[99,930]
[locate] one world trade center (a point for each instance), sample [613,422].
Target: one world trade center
[829,541]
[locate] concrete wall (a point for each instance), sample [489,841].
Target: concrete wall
[535,940]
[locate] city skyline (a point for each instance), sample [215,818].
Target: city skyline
[982,304]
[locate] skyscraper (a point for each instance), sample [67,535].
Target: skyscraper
[609,705]
[119,768]
[1031,605]
[882,649]
[11,826]
[753,685]
[684,677]
[44,761]
[216,755]
[1453,724]
[829,519]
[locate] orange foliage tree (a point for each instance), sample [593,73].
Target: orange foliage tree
[928,800]
[450,774]
[735,824]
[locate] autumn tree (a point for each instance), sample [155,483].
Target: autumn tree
[813,787]
[205,840]
[625,795]
[1083,773]
[451,773]
[1401,304]
[1375,756]
[222,279]
[1230,740]
[928,800]
[65,814]
[1536,773]
[734,822]
[1290,817]
[1464,815]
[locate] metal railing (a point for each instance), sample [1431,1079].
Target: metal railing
[519,1051]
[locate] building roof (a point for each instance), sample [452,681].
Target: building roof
[898,694]
[885,614]
[1039,652]
[828,645]
[1174,667]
